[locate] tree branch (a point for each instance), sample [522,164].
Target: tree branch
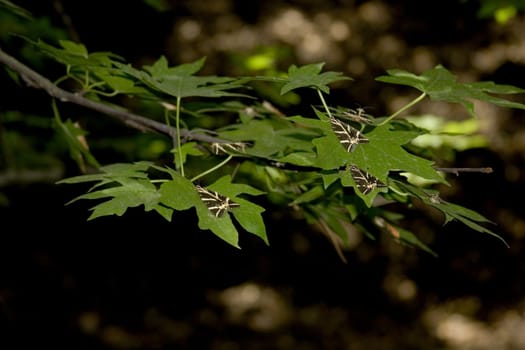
[456,171]
[35,80]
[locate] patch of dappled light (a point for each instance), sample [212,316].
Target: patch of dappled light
[507,218]
[290,25]
[511,47]
[399,287]
[461,330]
[336,29]
[257,307]
[376,14]
[244,38]
[388,49]
[423,59]
[189,30]
[490,58]
[339,30]
[356,65]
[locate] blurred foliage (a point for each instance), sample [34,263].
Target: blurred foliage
[500,10]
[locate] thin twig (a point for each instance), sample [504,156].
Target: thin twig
[66,19]
[456,171]
[35,80]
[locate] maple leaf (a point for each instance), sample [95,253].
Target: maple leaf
[311,76]
[180,194]
[180,81]
[452,211]
[441,85]
[270,138]
[123,186]
[383,153]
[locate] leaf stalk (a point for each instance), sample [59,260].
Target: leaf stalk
[404,108]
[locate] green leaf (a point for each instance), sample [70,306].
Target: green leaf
[329,178]
[112,172]
[348,181]
[270,138]
[126,186]
[451,211]
[310,195]
[122,85]
[222,227]
[179,193]
[130,193]
[247,214]
[73,135]
[160,69]
[180,82]
[382,154]
[224,186]
[189,148]
[441,85]
[78,151]
[310,76]
[305,159]
[74,48]
[76,55]
[467,216]
[411,239]
[97,66]
[19,11]
[335,219]
[385,153]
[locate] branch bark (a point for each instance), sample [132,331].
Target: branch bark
[35,80]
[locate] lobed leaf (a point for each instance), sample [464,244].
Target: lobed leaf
[270,138]
[180,82]
[76,55]
[441,85]
[247,214]
[123,186]
[179,193]
[310,76]
[382,154]
[451,211]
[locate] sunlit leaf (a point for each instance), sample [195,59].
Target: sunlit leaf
[178,193]
[441,85]
[247,214]
[123,186]
[310,76]
[74,48]
[384,152]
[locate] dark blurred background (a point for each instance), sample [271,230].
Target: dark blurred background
[138,282]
